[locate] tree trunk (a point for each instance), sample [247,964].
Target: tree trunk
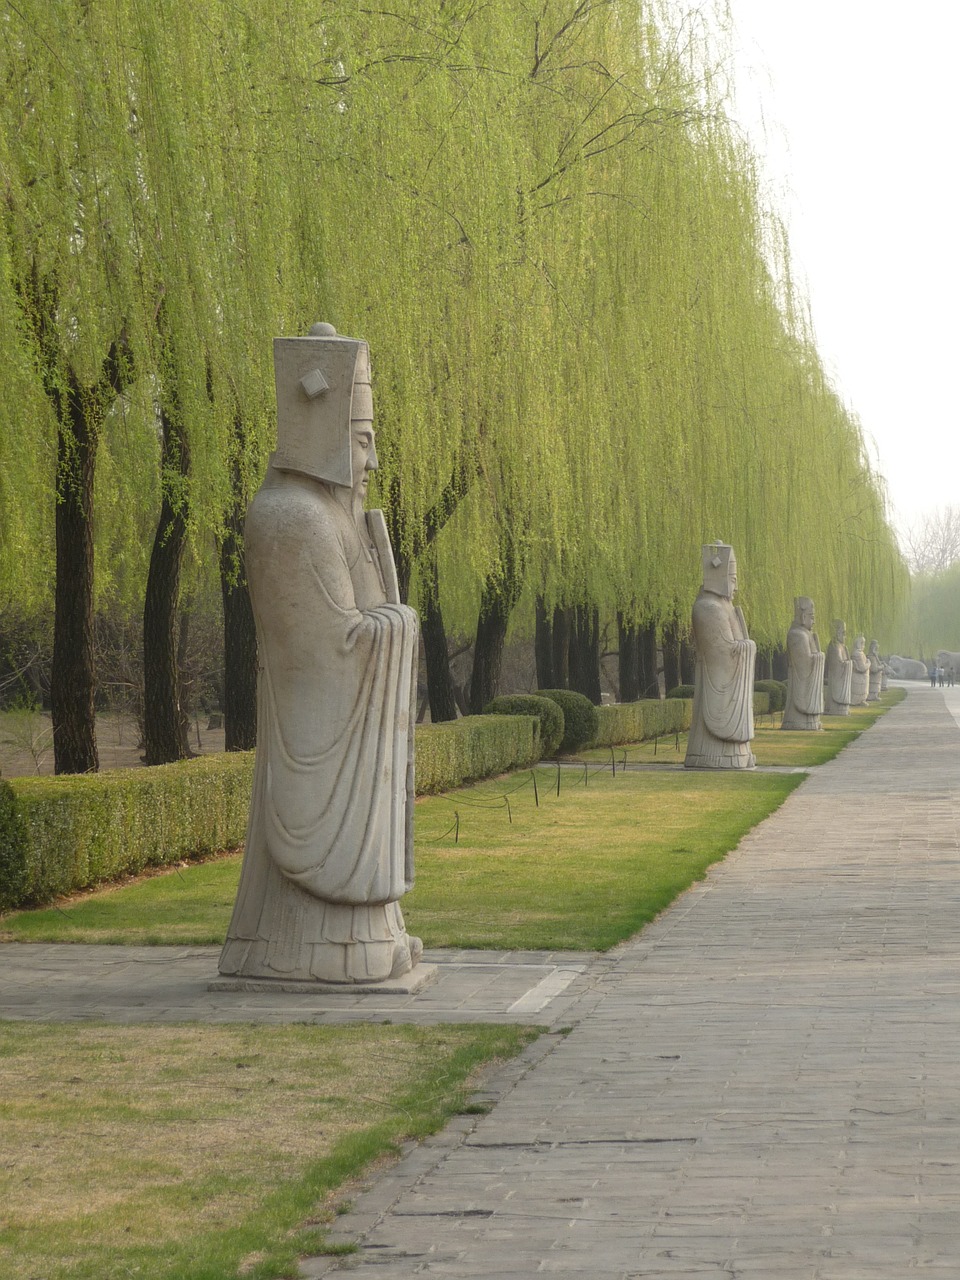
[671,656]
[488,649]
[443,702]
[239,643]
[629,661]
[73,674]
[186,684]
[79,413]
[543,647]
[404,569]
[688,662]
[239,629]
[501,592]
[164,720]
[778,664]
[561,648]
[648,661]
[585,653]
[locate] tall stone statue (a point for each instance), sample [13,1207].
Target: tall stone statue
[876,671]
[860,677]
[837,695]
[330,837]
[722,727]
[804,704]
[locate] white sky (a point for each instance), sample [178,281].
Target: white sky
[853,104]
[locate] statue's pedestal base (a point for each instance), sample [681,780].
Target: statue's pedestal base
[407,985]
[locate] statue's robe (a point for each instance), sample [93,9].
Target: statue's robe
[876,676]
[329,843]
[859,678]
[722,726]
[837,696]
[804,702]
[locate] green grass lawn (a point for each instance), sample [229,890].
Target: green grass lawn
[207,1152]
[126,1150]
[500,864]
[506,863]
[772,745]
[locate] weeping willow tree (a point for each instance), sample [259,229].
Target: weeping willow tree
[932,621]
[156,232]
[588,353]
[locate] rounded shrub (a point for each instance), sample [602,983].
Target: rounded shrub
[581,720]
[681,691]
[545,709]
[777,691]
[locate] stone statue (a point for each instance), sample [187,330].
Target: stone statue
[804,704]
[330,837]
[722,727]
[837,695]
[876,671]
[907,668]
[860,677]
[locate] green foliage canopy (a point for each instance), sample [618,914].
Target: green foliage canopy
[583,321]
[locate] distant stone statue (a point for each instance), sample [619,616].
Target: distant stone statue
[876,671]
[860,677]
[838,690]
[722,727]
[907,668]
[804,703]
[329,848]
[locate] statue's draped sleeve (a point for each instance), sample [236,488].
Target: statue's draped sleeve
[335,704]
[726,664]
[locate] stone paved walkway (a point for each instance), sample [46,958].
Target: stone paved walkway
[765,1085]
[67,983]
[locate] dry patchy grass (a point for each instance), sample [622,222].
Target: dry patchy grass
[178,1151]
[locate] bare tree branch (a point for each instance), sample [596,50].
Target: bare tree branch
[933,543]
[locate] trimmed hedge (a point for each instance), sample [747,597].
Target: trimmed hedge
[580,718]
[681,691]
[648,718]
[764,698]
[531,704]
[76,831]
[777,689]
[58,835]
[459,751]
[12,842]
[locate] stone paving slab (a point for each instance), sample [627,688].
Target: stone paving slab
[764,1085]
[69,983]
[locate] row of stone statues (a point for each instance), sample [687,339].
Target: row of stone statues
[817,683]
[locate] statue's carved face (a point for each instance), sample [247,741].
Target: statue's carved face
[363,455]
[839,632]
[807,616]
[731,576]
